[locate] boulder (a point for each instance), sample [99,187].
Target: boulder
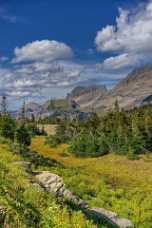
[55,185]
[109,217]
[51,182]
[75,200]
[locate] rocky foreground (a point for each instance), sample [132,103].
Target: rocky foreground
[54,184]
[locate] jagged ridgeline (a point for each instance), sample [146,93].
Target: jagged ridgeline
[120,126]
[133,91]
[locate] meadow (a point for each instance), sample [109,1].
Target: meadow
[27,205]
[111,181]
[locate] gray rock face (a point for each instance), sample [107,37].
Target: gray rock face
[130,92]
[55,185]
[110,217]
[51,182]
[87,96]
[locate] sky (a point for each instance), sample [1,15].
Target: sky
[48,47]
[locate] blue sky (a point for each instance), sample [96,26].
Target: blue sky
[47,47]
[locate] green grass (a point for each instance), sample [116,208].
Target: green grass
[111,181]
[27,206]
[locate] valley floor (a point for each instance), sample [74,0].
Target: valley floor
[111,181]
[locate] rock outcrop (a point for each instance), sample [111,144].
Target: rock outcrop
[134,90]
[111,218]
[130,92]
[87,96]
[55,185]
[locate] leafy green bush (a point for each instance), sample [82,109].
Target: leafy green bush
[7,126]
[22,135]
[88,145]
[27,205]
[117,131]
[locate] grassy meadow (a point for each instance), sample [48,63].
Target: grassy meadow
[111,181]
[26,205]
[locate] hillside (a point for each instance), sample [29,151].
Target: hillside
[111,181]
[55,104]
[24,203]
[87,96]
[130,92]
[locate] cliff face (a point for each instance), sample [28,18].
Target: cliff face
[130,92]
[136,87]
[86,97]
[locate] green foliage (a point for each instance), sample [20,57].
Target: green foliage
[131,154]
[112,182]
[7,126]
[22,135]
[64,132]
[27,205]
[34,129]
[88,144]
[122,132]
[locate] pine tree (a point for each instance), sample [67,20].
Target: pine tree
[23,116]
[3,105]
[22,136]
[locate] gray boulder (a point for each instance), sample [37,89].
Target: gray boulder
[110,217]
[55,185]
[51,182]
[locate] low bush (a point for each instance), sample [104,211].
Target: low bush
[29,206]
[121,132]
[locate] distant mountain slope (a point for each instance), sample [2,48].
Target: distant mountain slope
[86,97]
[55,104]
[134,90]
[33,107]
[129,92]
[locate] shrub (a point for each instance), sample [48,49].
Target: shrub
[22,136]
[88,145]
[117,131]
[7,126]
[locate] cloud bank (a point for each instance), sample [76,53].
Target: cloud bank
[130,39]
[44,50]
[42,66]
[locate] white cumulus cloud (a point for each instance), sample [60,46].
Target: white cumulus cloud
[44,50]
[130,38]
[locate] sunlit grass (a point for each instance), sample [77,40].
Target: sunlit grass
[111,181]
[26,205]
[115,168]
[49,128]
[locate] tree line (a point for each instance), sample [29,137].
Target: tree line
[117,131]
[19,130]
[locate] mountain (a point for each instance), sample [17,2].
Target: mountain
[86,97]
[33,107]
[55,104]
[134,90]
[54,108]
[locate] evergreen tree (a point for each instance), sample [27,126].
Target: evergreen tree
[7,126]
[22,136]
[23,116]
[3,105]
